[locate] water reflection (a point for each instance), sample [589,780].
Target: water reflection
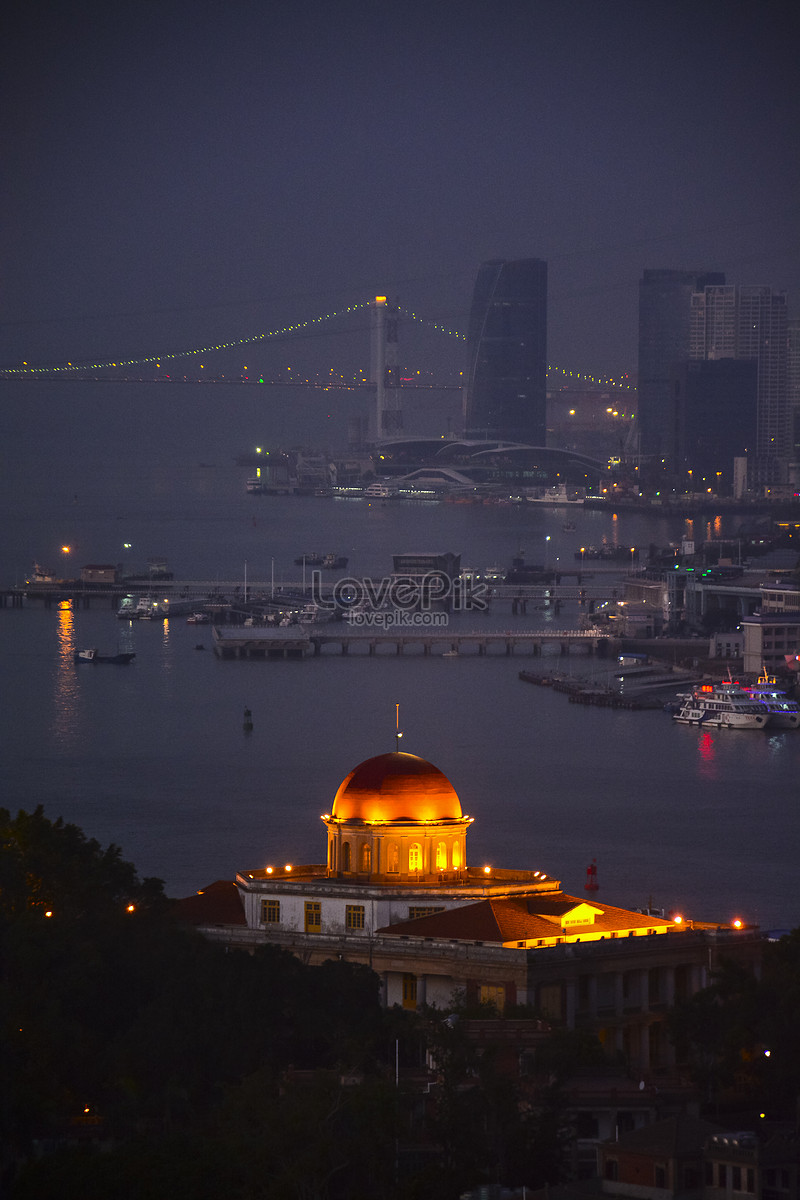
[708,757]
[168,660]
[65,692]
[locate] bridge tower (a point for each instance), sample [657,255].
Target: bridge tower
[385,369]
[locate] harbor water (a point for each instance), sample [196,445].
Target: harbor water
[154,756]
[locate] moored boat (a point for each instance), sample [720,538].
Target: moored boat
[723,705]
[92,655]
[784,713]
[379,491]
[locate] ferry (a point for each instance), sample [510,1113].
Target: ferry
[783,712]
[725,705]
[379,491]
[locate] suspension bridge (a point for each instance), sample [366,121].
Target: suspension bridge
[384,372]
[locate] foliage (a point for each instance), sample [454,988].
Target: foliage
[116,1021]
[740,1036]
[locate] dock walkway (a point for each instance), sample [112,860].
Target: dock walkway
[293,642]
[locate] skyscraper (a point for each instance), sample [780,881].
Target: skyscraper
[793,390]
[715,420]
[665,305]
[506,387]
[750,324]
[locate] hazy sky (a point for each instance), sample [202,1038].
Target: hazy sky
[179,173]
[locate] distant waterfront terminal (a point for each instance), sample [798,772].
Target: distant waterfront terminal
[179,595]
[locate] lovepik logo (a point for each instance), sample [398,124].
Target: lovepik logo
[406,593]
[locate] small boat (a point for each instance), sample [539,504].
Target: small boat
[314,614]
[783,712]
[450,654]
[198,618]
[378,491]
[559,494]
[334,562]
[724,705]
[92,655]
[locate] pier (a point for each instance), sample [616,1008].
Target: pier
[293,642]
[520,598]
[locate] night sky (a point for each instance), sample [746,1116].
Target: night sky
[178,174]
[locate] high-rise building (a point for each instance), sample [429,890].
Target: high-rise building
[715,421]
[793,390]
[750,324]
[665,305]
[506,387]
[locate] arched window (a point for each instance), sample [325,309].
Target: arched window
[415,857]
[456,856]
[441,856]
[393,858]
[366,857]
[346,856]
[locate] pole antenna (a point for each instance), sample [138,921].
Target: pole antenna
[398,734]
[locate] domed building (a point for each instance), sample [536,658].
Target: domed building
[397,818]
[396,893]
[396,851]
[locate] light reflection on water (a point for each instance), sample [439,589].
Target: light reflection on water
[707,765]
[65,690]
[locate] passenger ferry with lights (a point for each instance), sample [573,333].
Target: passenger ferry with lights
[784,713]
[724,705]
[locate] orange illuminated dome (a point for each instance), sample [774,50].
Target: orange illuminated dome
[396,787]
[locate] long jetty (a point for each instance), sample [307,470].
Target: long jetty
[301,642]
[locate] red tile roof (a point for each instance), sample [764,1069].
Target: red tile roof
[522,918]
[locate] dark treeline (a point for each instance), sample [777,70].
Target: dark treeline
[139,1060]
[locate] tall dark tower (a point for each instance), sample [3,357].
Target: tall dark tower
[665,307]
[506,388]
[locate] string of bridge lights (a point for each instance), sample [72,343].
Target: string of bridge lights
[70,368]
[552,371]
[157,359]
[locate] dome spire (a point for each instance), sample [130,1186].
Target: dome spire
[398,734]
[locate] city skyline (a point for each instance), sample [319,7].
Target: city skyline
[176,180]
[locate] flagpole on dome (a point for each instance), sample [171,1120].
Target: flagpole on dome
[398,734]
